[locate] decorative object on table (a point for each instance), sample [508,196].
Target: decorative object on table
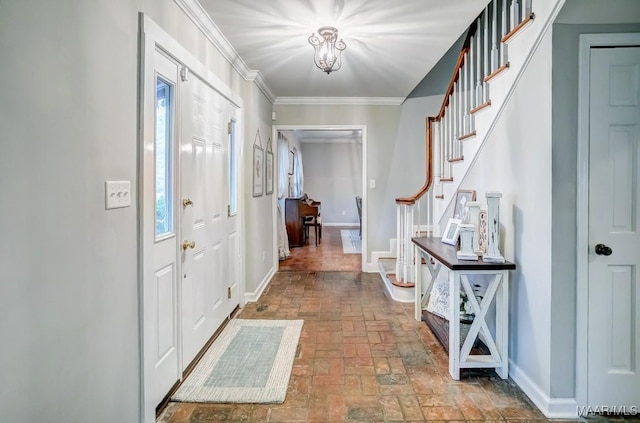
[466,243]
[249,362]
[474,218]
[268,168]
[466,311]
[439,298]
[463,196]
[493,229]
[482,229]
[451,231]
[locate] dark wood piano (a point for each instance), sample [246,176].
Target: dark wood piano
[295,210]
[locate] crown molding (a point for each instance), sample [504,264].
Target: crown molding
[349,101]
[331,141]
[194,11]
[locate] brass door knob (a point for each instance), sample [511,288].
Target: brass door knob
[187,202]
[187,244]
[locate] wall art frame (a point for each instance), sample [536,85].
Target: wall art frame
[268,168]
[258,173]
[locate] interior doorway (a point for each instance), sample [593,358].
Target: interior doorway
[334,172]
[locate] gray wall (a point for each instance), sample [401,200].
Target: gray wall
[564,187]
[333,175]
[437,80]
[259,249]
[69,285]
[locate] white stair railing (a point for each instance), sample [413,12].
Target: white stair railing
[483,56]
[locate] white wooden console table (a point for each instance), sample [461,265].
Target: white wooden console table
[438,255]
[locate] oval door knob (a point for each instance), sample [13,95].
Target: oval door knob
[187,202]
[603,250]
[187,244]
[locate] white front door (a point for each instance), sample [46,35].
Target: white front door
[233,220]
[160,229]
[614,219]
[205,191]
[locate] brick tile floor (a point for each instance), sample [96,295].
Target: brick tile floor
[327,256]
[361,358]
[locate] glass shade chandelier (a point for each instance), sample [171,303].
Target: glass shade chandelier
[328,49]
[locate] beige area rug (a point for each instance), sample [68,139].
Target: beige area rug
[351,242]
[249,362]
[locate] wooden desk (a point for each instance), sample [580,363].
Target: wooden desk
[460,356]
[295,211]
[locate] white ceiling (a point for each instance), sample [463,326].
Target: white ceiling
[391,44]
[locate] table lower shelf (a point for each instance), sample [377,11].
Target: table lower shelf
[440,329]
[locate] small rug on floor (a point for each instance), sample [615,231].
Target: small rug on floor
[249,362]
[351,242]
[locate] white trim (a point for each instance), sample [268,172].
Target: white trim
[349,101]
[587,41]
[552,408]
[252,297]
[201,19]
[365,175]
[329,141]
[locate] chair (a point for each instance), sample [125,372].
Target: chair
[359,206]
[316,222]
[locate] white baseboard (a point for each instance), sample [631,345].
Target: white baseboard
[252,297]
[552,408]
[342,225]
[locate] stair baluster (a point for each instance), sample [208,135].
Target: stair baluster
[484,53]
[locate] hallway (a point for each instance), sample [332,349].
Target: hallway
[361,357]
[327,256]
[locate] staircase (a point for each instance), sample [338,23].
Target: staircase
[497,48]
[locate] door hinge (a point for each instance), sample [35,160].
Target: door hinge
[184,74]
[229,128]
[228,210]
[229,292]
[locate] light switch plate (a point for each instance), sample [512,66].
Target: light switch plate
[117,194]
[372,183]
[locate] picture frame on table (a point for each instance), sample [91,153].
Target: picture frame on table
[258,173]
[451,231]
[269,173]
[463,196]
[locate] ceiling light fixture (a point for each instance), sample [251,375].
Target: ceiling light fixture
[328,49]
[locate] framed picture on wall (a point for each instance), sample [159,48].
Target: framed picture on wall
[292,160]
[258,173]
[269,173]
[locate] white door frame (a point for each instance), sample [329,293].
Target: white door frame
[153,37]
[365,185]
[587,41]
